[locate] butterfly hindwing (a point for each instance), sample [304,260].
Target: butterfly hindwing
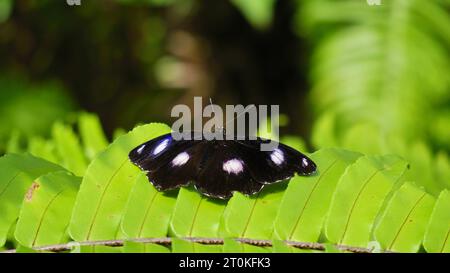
[225,171]
[275,165]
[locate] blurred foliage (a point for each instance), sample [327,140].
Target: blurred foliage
[380,80]
[384,66]
[30,109]
[5,9]
[258,13]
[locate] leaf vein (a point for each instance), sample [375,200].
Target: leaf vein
[405,220]
[41,220]
[354,204]
[309,197]
[101,199]
[146,215]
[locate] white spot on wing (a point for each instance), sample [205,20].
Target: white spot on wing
[139,151]
[180,159]
[305,162]
[234,166]
[161,146]
[277,157]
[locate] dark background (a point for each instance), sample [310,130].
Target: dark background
[104,54]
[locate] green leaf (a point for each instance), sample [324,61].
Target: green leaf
[330,248]
[402,225]
[252,216]
[421,160]
[442,170]
[46,210]
[24,249]
[231,246]
[295,142]
[196,215]
[135,247]
[42,148]
[371,143]
[182,246]
[17,174]
[258,13]
[92,135]
[359,195]
[104,191]
[148,212]
[14,145]
[370,70]
[437,235]
[69,149]
[5,9]
[307,199]
[278,246]
[323,134]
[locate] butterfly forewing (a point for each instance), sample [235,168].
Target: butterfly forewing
[179,167]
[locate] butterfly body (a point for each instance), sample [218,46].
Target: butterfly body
[217,167]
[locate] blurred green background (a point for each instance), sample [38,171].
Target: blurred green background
[370,78]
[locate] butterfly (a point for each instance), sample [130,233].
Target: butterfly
[217,168]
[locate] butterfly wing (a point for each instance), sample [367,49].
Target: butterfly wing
[225,170]
[281,163]
[218,167]
[169,163]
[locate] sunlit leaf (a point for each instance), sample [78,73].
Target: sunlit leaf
[402,225]
[25,249]
[14,143]
[69,149]
[258,13]
[46,210]
[16,176]
[279,246]
[148,211]
[5,9]
[295,142]
[253,217]
[438,231]
[359,195]
[104,191]
[196,215]
[92,135]
[323,134]
[307,199]
[42,148]
[372,143]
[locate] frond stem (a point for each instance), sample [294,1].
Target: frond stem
[206,241]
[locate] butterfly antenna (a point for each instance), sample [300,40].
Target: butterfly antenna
[212,106]
[240,114]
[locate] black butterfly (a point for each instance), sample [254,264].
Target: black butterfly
[218,167]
